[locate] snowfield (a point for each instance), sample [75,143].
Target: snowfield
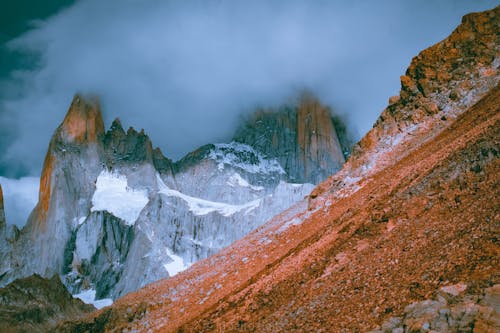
[114,196]
[202,207]
[176,266]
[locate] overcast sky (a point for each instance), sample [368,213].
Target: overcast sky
[186,71]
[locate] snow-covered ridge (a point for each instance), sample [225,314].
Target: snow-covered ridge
[113,195]
[202,207]
[244,157]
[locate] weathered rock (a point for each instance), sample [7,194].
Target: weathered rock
[35,304]
[99,250]
[465,313]
[302,138]
[131,147]
[71,166]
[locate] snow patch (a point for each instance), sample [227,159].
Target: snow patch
[202,207]
[294,221]
[114,196]
[88,297]
[237,180]
[176,266]
[244,157]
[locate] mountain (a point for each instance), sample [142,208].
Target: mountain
[302,138]
[405,234]
[35,304]
[115,214]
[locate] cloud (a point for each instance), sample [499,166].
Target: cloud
[185,71]
[20,197]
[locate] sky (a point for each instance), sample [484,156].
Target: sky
[188,71]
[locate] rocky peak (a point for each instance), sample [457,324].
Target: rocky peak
[127,147]
[82,126]
[161,163]
[116,127]
[318,141]
[193,158]
[301,137]
[83,122]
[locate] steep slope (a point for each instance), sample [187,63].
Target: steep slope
[410,212]
[302,138]
[35,304]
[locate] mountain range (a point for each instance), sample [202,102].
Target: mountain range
[115,214]
[234,237]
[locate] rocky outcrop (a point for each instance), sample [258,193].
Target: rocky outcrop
[35,304]
[83,122]
[132,147]
[302,138]
[450,312]
[442,82]
[96,255]
[9,234]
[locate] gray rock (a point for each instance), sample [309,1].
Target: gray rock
[302,138]
[114,214]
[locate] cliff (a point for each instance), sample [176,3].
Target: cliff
[301,138]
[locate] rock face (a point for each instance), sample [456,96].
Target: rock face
[115,214]
[302,138]
[442,82]
[9,234]
[408,217]
[71,166]
[35,304]
[450,313]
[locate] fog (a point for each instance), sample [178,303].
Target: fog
[186,71]
[20,197]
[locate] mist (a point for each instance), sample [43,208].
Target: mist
[20,197]
[186,71]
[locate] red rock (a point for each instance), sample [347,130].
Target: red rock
[83,122]
[394,99]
